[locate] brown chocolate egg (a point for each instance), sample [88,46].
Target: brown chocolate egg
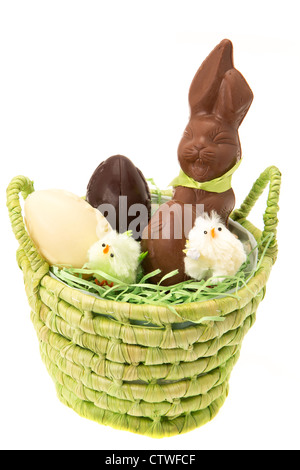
[120,192]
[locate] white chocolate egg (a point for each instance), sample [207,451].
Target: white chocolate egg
[63,226]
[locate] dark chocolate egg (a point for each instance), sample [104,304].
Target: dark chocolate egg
[120,192]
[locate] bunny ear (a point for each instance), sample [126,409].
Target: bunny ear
[206,83]
[234,98]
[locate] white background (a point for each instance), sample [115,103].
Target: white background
[83,80]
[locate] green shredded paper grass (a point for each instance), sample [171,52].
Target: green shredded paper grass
[145,292]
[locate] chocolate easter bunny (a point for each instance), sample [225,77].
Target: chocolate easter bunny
[209,152]
[210,149]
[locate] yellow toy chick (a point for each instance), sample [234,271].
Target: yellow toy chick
[116,255]
[212,250]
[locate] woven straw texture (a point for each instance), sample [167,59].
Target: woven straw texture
[141,368]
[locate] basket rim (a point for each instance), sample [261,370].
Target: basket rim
[193,311]
[234,224]
[29,259]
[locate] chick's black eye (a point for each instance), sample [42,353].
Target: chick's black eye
[112,255]
[103,244]
[220,229]
[205,232]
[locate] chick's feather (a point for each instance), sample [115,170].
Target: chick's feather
[116,255]
[220,252]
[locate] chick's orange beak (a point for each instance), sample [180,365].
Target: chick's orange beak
[213,233]
[106,249]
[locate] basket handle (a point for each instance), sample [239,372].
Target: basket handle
[270,176]
[21,184]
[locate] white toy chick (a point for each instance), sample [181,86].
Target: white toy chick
[212,250]
[116,255]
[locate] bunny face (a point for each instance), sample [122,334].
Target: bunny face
[209,148]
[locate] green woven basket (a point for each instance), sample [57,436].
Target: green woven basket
[141,368]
